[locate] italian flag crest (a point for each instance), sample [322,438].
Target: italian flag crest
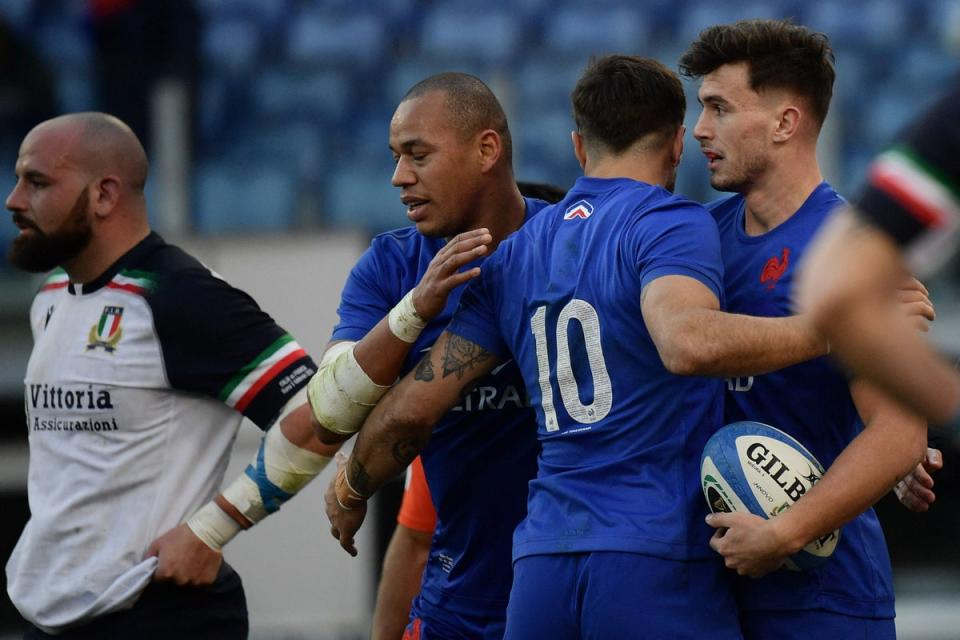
[106,333]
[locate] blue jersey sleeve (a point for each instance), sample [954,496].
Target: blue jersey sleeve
[476,319]
[680,240]
[368,294]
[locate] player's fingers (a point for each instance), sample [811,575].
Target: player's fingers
[452,282]
[911,295]
[720,520]
[919,308]
[909,282]
[915,499]
[716,542]
[933,461]
[465,242]
[347,543]
[457,260]
[920,477]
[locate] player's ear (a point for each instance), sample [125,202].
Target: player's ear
[106,195]
[677,151]
[578,148]
[489,148]
[788,123]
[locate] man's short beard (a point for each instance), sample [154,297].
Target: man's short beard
[38,252]
[747,177]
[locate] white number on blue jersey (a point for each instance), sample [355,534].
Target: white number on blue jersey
[589,322]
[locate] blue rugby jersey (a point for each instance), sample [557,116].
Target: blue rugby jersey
[621,436]
[810,401]
[482,453]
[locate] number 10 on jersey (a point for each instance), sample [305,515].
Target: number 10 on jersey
[586,317]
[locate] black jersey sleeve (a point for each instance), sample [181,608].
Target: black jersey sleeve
[913,189]
[217,341]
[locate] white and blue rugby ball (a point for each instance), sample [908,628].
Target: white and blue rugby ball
[753,467]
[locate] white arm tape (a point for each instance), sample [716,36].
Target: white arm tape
[278,471]
[213,526]
[341,393]
[296,401]
[404,321]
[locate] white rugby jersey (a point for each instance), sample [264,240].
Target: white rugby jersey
[134,394]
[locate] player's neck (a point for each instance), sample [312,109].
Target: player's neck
[104,250]
[503,212]
[651,169]
[779,193]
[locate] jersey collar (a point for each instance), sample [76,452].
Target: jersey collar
[132,257]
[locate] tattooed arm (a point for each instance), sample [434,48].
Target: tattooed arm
[399,427]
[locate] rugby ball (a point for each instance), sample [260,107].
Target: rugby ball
[755,468]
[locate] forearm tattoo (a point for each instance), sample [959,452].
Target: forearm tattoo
[459,355]
[424,370]
[406,450]
[359,478]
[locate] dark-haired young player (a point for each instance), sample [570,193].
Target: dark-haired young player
[765,93]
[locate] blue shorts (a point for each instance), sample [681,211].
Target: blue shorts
[608,594]
[433,623]
[803,625]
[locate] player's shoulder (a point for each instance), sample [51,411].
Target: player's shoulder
[724,206]
[173,281]
[533,206]
[403,244]
[56,280]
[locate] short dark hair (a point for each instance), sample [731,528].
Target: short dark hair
[472,105]
[780,55]
[622,99]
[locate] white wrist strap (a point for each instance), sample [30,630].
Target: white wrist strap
[404,321]
[213,526]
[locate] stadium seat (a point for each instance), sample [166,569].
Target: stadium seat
[484,36]
[579,32]
[360,196]
[282,92]
[876,24]
[704,13]
[232,198]
[231,46]
[325,37]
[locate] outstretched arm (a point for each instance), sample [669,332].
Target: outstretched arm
[400,425]
[288,458]
[847,285]
[694,337]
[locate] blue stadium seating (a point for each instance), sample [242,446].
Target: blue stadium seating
[235,198]
[485,36]
[327,38]
[304,89]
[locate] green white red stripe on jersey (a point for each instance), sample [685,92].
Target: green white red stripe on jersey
[929,197]
[917,186]
[271,362]
[134,281]
[56,280]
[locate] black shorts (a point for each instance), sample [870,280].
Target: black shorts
[164,611]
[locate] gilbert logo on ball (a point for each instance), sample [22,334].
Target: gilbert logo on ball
[755,468]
